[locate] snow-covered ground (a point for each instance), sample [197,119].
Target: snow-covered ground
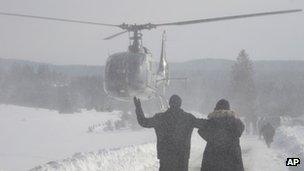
[39,139]
[290,141]
[256,157]
[30,137]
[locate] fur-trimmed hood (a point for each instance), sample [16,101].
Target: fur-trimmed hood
[222,113]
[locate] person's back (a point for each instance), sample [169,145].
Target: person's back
[222,132]
[173,129]
[261,123]
[268,132]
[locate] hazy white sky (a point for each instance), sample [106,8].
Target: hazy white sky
[272,37]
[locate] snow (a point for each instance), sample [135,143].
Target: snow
[30,137]
[256,157]
[130,158]
[290,141]
[40,139]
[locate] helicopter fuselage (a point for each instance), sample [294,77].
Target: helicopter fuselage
[129,74]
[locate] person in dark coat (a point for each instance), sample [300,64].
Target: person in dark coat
[222,132]
[268,132]
[261,123]
[173,130]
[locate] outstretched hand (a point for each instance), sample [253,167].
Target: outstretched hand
[137,102]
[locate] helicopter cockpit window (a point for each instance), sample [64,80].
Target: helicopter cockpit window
[116,71]
[136,71]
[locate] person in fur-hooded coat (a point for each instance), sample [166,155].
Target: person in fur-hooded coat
[222,132]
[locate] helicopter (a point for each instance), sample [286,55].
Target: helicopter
[132,73]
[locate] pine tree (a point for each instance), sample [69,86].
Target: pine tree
[243,87]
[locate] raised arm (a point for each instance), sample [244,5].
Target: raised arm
[142,120]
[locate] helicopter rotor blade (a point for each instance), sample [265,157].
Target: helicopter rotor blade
[57,19]
[227,18]
[115,35]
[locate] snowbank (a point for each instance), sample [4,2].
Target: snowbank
[30,137]
[257,157]
[290,140]
[135,158]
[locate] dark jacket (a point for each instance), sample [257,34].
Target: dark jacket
[222,131]
[173,131]
[268,132]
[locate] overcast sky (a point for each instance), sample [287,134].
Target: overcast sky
[272,37]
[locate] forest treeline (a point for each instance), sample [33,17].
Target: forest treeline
[278,86]
[41,87]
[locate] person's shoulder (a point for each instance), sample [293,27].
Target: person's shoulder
[188,115]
